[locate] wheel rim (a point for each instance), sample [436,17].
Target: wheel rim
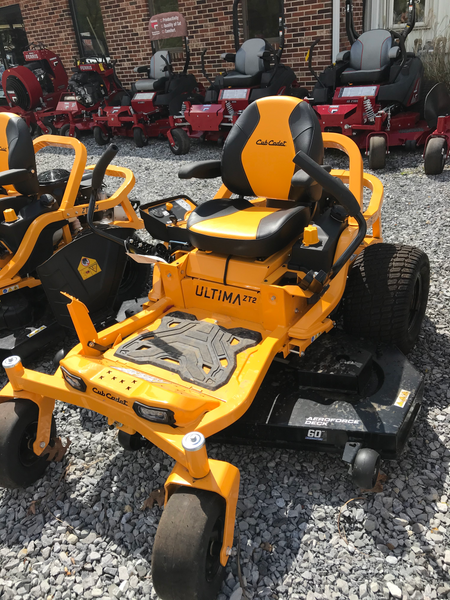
[212,564]
[26,454]
[416,303]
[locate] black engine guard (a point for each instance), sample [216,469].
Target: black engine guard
[343,390]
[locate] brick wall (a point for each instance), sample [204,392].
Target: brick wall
[210,26]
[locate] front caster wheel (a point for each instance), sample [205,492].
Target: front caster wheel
[435,156]
[139,137]
[101,138]
[377,152]
[366,468]
[19,465]
[186,553]
[65,131]
[181,142]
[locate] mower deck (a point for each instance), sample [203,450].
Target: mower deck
[343,390]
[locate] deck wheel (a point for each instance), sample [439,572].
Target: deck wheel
[186,553]
[366,468]
[435,156]
[19,465]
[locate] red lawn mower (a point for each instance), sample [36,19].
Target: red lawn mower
[376,94]
[93,83]
[35,86]
[257,72]
[145,112]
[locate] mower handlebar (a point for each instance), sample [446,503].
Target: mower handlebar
[345,198]
[330,184]
[100,168]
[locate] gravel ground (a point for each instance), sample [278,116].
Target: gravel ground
[81,532]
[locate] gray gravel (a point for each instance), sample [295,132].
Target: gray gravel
[80,532]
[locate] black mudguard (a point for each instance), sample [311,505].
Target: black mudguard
[437,104]
[90,268]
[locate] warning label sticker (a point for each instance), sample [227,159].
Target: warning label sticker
[88,267]
[402,398]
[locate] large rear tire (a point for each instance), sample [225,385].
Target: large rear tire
[186,553]
[386,294]
[19,465]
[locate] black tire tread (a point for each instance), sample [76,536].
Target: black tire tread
[177,561]
[14,417]
[434,161]
[378,294]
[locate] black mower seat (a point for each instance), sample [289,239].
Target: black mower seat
[249,66]
[369,58]
[158,71]
[18,153]
[257,160]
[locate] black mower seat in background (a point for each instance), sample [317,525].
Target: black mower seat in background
[257,160]
[248,65]
[369,58]
[157,71]
[18,152]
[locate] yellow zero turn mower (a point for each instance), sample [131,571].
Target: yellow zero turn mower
[249,296]
[46,245]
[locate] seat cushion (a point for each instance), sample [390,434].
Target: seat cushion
[240,228]
[236,79]
[145,85]
[370,76]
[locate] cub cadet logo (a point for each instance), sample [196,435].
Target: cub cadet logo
[2,149]
[224,296]
[110,396]
[271,143]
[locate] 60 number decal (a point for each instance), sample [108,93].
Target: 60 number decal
[316,434]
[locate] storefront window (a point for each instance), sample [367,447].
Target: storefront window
[13,39]
[401,11]
[261,19]
[89,28]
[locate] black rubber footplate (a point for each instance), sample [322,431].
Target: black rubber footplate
[199,352]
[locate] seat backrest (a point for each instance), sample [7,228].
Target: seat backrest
[247,60]
[157,64]
[371,50]
[17,151]
[258,154]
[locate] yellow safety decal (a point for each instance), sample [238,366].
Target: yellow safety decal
[36,331]
[12,288]
[402,398]
[88,267]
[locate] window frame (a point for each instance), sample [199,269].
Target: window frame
[419,24]
[78,36]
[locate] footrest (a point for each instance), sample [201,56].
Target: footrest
[199,352]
